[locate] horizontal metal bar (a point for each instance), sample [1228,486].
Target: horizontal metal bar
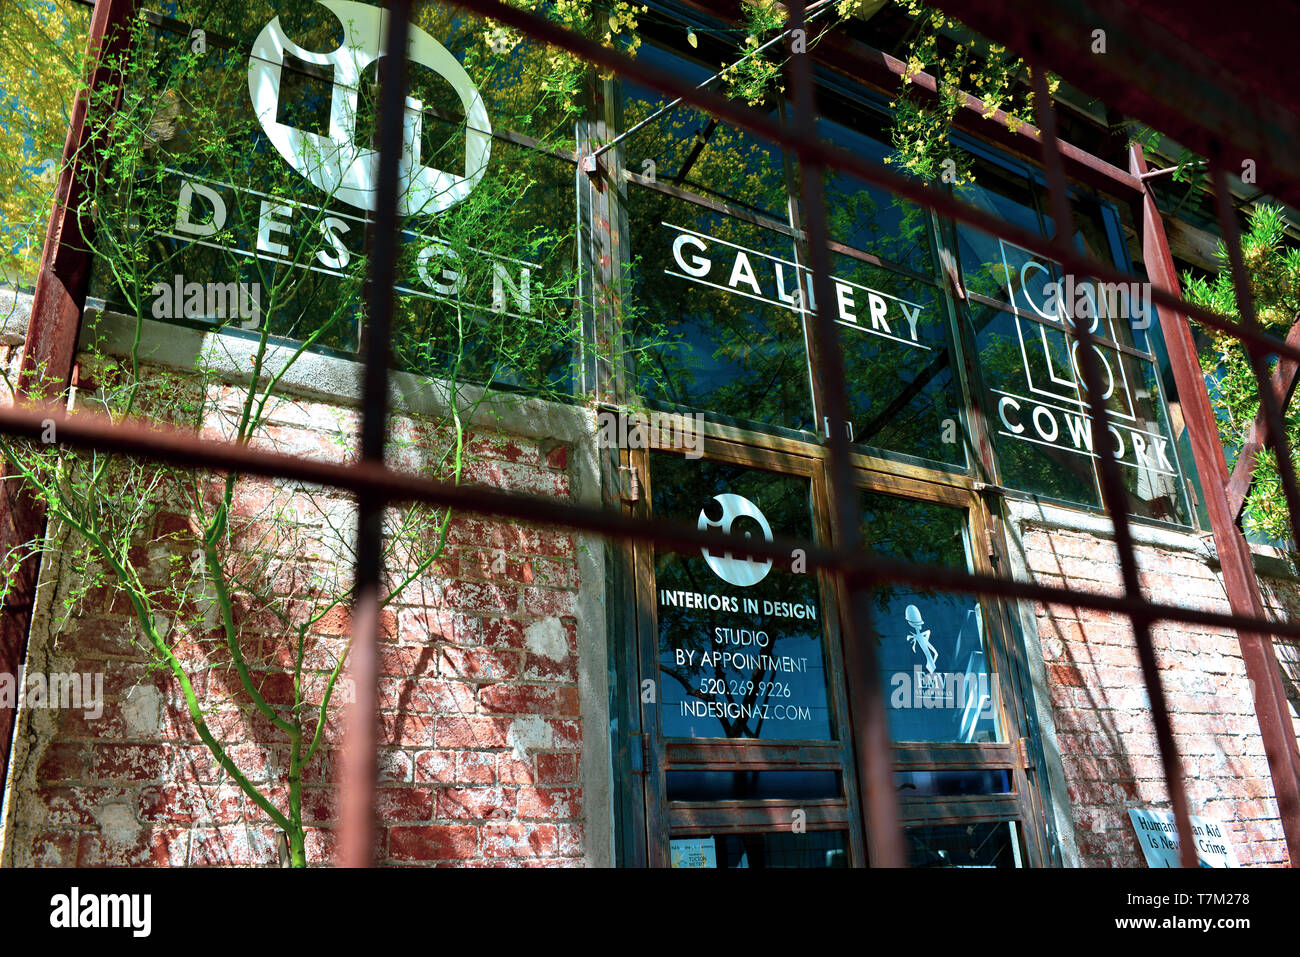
[93,430]
[958,809]
[687,755]
[910,757]
[755,816]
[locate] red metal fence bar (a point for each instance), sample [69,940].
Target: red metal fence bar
[89,430]
[58,298]
[1157,63]
[1271,408]
[870,738]
[1114,495]
[357,806]
[877,68]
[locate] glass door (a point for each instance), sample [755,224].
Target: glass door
[745,725]
[748,764]
[948,675]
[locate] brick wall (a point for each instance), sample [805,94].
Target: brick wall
[1100,709]
[1282,599]
[482,725]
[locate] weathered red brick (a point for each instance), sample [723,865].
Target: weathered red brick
[128,762]
[557,768]
[558,457]
[476,663]
[475,767]
[481,802]
[530,699]
[1067,675]
[520,840]
[437,842]
[549,803]
[472,732]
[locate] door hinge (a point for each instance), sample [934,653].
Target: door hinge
[991,544]
[638,746]
[1022,754]
[629,483]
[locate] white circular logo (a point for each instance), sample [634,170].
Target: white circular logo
[737,571]
[336,163]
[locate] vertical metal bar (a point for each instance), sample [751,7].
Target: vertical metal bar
[356,819]
[1271,410]
[874,749]
[1239,579]
[58,301]
[1114,495]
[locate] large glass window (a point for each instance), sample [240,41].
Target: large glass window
[252,167]
[1023,311]
[722,293]
[748,719]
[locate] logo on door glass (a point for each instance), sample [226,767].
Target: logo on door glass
[337,163]
[742,572]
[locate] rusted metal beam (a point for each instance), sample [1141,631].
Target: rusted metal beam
[871,742]
[58,299]
[1239,578]
[1283,386]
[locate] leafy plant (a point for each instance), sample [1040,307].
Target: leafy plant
[43,45]
[1274,269]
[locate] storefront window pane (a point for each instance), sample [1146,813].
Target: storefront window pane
[261,185]
[717,298]
[946,783]
[741,650]
[1035,402]
[859,214]
[687,149]
[935,668]
[746,785]
[1037,399]
[903,395]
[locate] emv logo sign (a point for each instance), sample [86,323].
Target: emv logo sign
[337,163]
